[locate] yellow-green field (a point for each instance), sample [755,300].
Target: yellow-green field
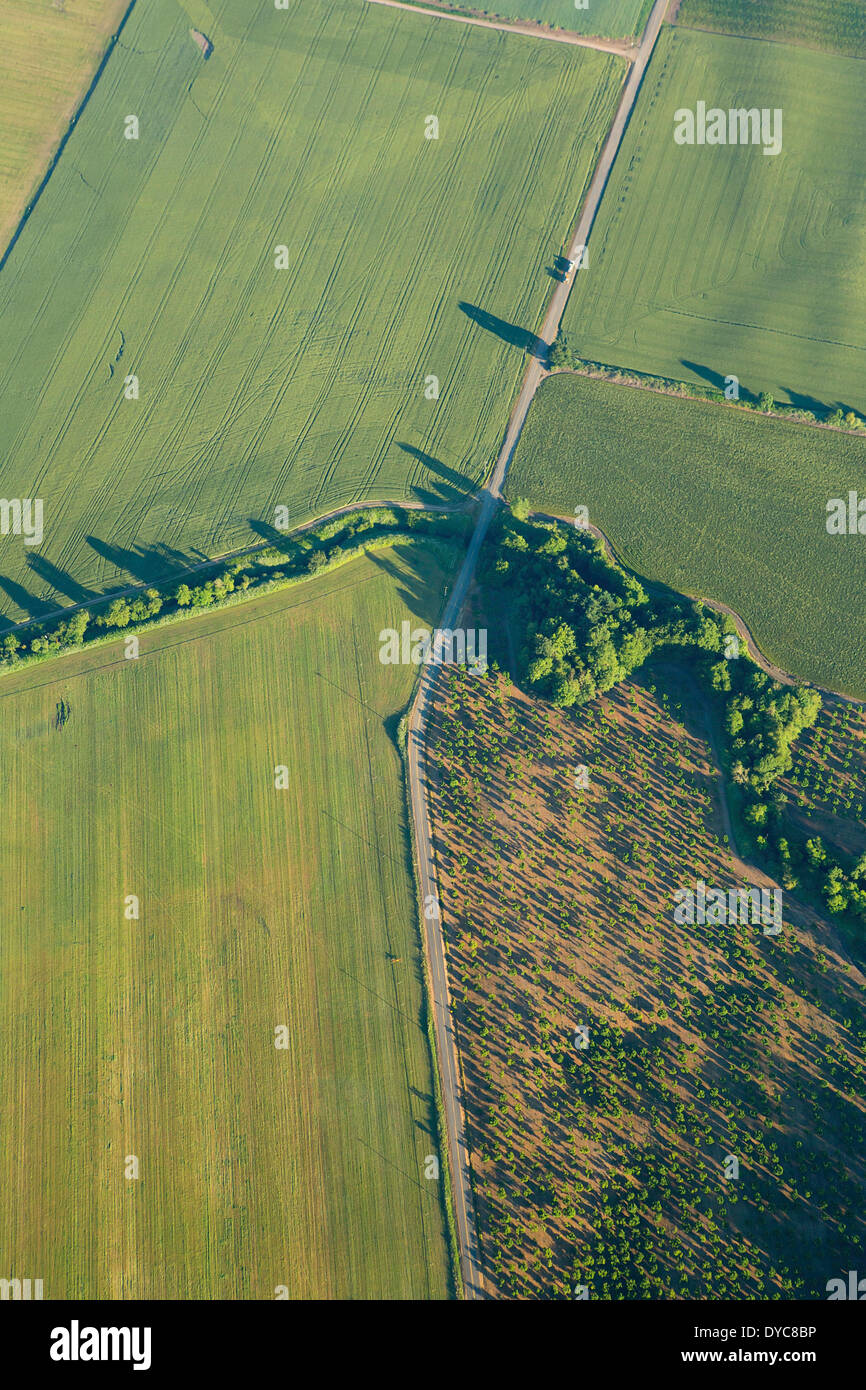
[49,51]
[276,266]
[259,907]
[716,260]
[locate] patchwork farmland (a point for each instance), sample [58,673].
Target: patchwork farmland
[309,387]
[716,502]
[258,907]
[48,56]
[715,260]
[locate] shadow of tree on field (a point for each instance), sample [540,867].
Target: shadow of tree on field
[28,603]
[705,373]
[808,402]
[453,486]
[146,563]
[280,540]
[509,333]
[413,587]
[714,378]
[60,579]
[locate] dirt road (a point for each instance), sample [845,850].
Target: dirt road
[535,31]
[448,1057]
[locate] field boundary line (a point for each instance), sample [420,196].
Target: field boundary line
[656,387]
[30,206]
[761,38]
[615,46]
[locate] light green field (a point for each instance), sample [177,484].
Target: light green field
[48,55]
[715,260]
[839,26]
[715,502]
[302,387]
[615,19]
[258,907]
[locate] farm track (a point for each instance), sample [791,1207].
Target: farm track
[474,1281]
[527,28]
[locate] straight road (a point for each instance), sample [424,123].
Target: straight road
[448,1056]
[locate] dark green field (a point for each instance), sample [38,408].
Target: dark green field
[715,502]
[838,26]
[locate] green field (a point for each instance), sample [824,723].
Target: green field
[259,907]
[302,387]
[839,26]
[715,260]
[603,18]
[714,502]
[48,55]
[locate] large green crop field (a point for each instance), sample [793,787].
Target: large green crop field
[715,502]
[709,261]
[839,26]
[307,387]
[259,907]
[603,18]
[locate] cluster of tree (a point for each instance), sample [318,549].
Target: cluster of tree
[588,625]
[762,721]
[582,618]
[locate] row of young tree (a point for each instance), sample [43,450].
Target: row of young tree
[603,1166]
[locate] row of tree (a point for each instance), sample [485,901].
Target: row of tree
[305,553]
[563,356]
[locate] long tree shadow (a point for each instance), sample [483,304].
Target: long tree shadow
[453,486]
[28,603]
[280,540]
[510,333]
[146,563]
[705,373]
[413,586]
[59,579]
[807,403]
[717,379]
